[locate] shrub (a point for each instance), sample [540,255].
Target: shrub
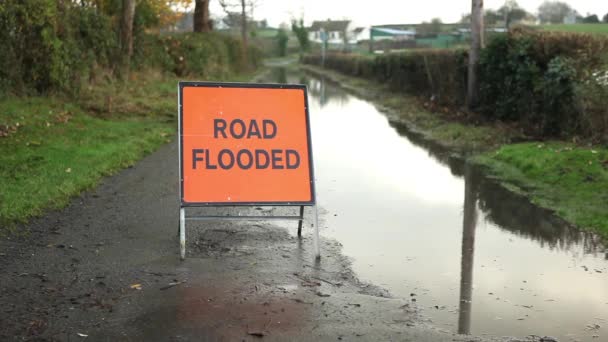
[552,84]
[49,45]
[440,74]
[204,55]
[535,78]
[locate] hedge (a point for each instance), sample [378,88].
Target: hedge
[59,46]
[551,84]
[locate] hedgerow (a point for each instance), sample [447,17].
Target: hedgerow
[551,84]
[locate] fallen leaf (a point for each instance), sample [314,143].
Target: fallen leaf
[82,335]
[68,170]
[136,286]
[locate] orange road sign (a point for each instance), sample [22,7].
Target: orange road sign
[244,144]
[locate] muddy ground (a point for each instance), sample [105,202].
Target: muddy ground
[107,268]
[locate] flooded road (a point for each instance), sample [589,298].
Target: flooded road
[472,257]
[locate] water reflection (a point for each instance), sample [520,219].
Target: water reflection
[469,223]
[395,202]
[509,210]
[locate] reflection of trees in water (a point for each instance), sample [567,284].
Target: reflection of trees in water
[514,213]
[325,92]
[278,75]
[322,91]
[510,211]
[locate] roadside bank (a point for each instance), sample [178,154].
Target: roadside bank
[54,147]
[566,178]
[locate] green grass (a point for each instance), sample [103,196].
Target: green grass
[568,179]
[58,147]
[579,28]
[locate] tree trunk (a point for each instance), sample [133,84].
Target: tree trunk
[201,16]
[477,29]
[244,31]
[126,33]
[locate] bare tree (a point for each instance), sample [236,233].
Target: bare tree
[244,6]
[477,29]
[126,33]
[230,7]
[201,16]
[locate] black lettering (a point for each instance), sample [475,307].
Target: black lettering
[269,129]
[288,160]
[276,159]
[233,130]
[239,159]
[208,164]
[219,126]
[258,164]
[254,130]
[196,158]
[220,159]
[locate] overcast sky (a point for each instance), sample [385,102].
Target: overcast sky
[364,13]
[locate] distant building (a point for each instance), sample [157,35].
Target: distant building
[360,34]
[391,32]
[336,32]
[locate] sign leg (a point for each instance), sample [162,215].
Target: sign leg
[316,236]
[301,221]
[182,233]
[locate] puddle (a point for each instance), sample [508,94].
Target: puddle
[475,258]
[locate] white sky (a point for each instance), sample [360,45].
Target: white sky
[364,13]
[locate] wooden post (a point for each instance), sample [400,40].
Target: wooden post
[477,30]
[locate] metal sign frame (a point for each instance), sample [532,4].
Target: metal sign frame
[183,204]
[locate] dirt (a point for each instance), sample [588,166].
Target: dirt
[107,268]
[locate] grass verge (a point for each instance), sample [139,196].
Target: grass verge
[52,148]
[568,179]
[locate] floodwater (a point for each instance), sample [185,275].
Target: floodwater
[475,259]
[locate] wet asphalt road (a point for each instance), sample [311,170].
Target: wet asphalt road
[102,269]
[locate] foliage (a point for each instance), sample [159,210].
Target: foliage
[282,40]
[579,28]
[532,78]
[554,12]
[591,19]
[513,12]
[51,45]
[301,34]
[434,27]
[545,82]
[605,18]
[208,55]
[60,46]
[435,74]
